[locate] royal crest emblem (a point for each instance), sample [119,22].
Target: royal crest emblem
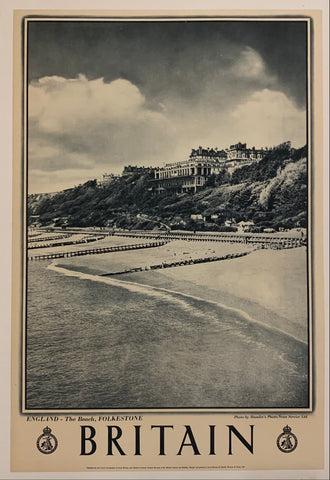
[47,442]
[287,441]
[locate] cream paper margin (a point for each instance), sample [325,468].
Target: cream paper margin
[25,456]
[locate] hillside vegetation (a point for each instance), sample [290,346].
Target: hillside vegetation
[271,193]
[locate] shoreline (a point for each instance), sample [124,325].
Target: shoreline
[270,286]
[152,289]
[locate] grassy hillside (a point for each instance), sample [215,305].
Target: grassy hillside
[272,193]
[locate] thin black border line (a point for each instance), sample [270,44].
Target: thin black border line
[310,230]
[26,180]
[310,215]
[25,185]
[180,17]
[309,202]
[26,90]
[309,110]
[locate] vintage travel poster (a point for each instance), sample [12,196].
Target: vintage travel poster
[168,306]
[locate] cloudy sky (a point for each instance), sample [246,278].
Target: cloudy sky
[103,95]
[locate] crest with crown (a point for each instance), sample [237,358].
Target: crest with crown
[287,429]
[47,430]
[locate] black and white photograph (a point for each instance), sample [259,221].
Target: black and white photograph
[167,214]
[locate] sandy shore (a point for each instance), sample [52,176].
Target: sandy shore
[175,251]
[272,279]
[268,285]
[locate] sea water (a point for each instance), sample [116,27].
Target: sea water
[106,343]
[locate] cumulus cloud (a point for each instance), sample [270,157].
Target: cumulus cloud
[269,117]
[58,104]
[80,128]
[249,65]
[90,124]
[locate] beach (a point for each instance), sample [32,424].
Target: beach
[274,280]
[270,285]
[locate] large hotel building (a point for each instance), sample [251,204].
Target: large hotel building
[191,175]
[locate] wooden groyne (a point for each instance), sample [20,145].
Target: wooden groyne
[95,251]
[66,242]
[263,241]
[180,263]
[45,239]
